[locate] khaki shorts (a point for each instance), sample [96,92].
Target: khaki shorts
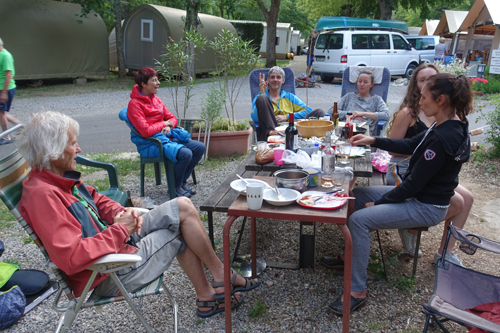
[159,243]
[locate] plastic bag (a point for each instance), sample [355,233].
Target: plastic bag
[380,161]
[301,159]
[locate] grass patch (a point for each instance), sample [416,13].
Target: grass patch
[258,310]
[27,240]
[7,220]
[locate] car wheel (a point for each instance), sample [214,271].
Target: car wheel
[409,71]
[326,79]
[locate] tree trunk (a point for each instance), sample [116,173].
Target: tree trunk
[271,17]
[121,11]
[191,22]
[385,9]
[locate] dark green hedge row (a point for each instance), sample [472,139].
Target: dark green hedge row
[250,32]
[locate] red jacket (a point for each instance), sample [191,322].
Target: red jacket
[147,113]
[65,227]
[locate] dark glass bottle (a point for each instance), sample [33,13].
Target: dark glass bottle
[291,134]
[335,115]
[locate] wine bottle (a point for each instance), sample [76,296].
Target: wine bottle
[291,134]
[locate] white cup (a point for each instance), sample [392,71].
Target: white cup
[255,194]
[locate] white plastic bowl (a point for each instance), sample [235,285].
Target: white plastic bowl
[290,195]
[241,187]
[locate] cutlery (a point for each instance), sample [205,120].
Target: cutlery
[280,196]
[336,190]
[242,179]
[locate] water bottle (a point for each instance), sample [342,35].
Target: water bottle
[327,116]
[316,157]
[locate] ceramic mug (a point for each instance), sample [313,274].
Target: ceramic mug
[255,194]
[314,177]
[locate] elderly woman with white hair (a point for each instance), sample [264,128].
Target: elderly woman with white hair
[77,225]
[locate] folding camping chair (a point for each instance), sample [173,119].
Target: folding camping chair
[457,288]
[168,164]
[381,89]
[13,170]
[288,86]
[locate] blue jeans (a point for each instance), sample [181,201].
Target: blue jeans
[187,158]
[407,214]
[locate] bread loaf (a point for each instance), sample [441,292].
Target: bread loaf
[264,156]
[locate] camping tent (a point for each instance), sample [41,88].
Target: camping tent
[149,27]
[46,40]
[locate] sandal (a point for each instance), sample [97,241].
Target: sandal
[332,262]
[249,285]
[215,306]
[180,192]
[337,307]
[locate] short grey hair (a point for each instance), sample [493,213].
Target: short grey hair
[277,70]
[1,42]
[45,137]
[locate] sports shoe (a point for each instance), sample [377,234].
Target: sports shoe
[409,241]
[451,257]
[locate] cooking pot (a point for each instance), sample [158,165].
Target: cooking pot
[292,178]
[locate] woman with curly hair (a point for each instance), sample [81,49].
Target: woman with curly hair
[407,122]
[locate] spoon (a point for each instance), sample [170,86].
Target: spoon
[280,196]
[242,179]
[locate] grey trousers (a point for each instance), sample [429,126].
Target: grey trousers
[159,243]
[407,214]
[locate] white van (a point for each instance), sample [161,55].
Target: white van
[335,50]
[424,45]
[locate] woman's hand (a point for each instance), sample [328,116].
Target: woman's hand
[168,126]
[362,140]
[359,115]
[262,82]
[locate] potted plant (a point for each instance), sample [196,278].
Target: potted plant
[226,137]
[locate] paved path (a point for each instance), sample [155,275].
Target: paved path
[102,131]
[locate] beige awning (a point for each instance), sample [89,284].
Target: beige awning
[429,27]
[450,22]
[484,16]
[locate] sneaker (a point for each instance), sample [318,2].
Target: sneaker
[451,257]
[409,241]
[190,190]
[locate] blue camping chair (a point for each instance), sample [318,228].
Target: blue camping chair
[288,86]
[381,89]
[168,164]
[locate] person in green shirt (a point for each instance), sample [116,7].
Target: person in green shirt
[8,86]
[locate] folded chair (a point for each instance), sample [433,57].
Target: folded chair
[288,86]
[457,288]
[381,89]
[13,170]
[168,164]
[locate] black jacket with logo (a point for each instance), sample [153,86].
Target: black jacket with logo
[437,156]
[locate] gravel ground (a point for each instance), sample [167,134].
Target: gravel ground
[294,301]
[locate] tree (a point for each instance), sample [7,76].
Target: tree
[290,12]
[271,17]
[192,22]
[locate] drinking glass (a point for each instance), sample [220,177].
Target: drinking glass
[344,152]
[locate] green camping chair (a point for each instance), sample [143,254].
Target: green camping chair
[13,170]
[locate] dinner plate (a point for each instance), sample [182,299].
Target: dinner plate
[276,139]
[327,201]
[240,186]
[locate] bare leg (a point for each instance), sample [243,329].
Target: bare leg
[12,119]
[4,123]
[199,245]
[460,206]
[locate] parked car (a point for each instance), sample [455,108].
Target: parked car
[424,45]
[305,49]
[335,50]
